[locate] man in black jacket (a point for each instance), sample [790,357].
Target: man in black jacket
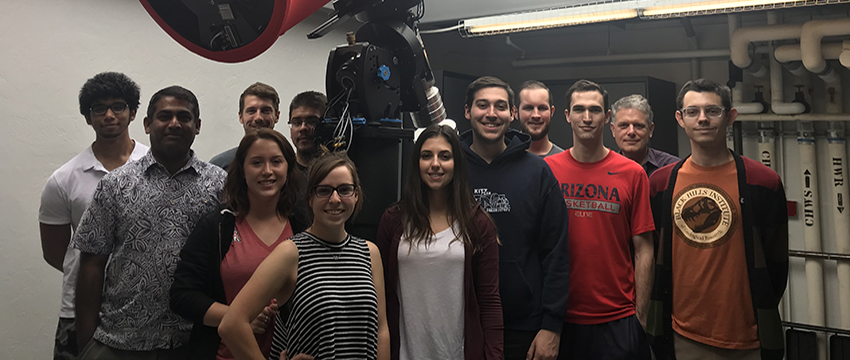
[519,191]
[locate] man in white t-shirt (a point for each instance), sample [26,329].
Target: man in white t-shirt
[109,102]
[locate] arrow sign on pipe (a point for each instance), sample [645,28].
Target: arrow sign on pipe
[840,203]
[808,178]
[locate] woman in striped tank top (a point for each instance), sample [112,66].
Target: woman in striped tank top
[334,281]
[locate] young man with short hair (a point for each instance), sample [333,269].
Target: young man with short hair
[535,115]
[108,102]
[139,218]
[723,245]
[519,191]
[259,108]
[305,112]
[607,197]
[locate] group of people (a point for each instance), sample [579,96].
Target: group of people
[503,245]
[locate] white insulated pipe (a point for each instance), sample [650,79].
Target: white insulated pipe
[742,37]
[777,102]
[844,58]
[810,41]
[841,214]
[811,228]
[738,89]
[792,52]
[742,107]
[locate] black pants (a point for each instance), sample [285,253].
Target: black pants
[615,340]
[517,343]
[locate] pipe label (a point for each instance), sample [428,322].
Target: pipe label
[808,199]
[838,181]
[765,158]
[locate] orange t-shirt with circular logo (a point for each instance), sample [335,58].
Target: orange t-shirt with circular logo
[711,289]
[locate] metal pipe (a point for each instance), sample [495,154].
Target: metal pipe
[673,55]
[818,255]
[797,117]
[811,222]
[738,137]
[823,329]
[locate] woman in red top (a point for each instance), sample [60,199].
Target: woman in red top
[441,260]
[226,246]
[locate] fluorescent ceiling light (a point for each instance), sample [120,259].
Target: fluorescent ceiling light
[658,9]
[617,10]
[544,19]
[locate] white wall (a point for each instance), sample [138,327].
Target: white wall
[49,48]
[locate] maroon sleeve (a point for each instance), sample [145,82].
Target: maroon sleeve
[485,267]
[387,228]
[641,216]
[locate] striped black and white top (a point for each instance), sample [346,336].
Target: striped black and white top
[334,307]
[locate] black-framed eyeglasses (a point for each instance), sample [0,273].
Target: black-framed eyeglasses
[711,112]
[309,122]
[117,108]
[344,190]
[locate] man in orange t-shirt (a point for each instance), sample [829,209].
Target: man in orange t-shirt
[721,267]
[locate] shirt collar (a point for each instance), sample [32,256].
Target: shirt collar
[89,161]
[148,161]
[652,157]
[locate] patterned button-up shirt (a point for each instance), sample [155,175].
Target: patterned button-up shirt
[141,215]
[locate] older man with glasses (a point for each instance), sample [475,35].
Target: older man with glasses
[723,248]
[109,102]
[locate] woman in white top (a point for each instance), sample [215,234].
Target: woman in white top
[441,258]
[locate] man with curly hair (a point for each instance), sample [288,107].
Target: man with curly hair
[108,102]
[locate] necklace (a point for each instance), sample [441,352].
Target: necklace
[335,250]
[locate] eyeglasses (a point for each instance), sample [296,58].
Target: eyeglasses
[308,122]
[711,112]
[116,108]
[344,190]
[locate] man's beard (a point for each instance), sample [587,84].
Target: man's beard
[539,136]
